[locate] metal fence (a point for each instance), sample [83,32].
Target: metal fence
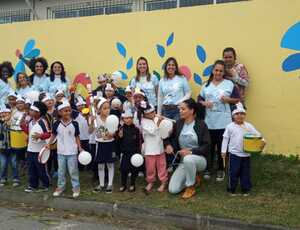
[90,8]
[10,16]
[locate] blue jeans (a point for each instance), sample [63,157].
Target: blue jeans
[171,113]
[8,157]
[70,163]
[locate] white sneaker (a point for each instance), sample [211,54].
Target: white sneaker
[58,192]
[76,194]
[220,176]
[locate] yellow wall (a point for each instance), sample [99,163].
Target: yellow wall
[254,28]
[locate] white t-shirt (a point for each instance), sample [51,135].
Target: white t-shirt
[39,126]
[102,130]
[66,137]
[153,143]
[234,135]
[83,127]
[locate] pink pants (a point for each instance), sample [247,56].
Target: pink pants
[153,163]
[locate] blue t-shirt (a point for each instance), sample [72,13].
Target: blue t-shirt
[149,87]
[24,91]
[41,83]
[56,85]
[5,89]
[219,116]
[188,137]
[173,90]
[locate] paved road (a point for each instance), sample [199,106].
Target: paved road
[23,217]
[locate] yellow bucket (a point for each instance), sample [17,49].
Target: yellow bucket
[253,143]
[18,139]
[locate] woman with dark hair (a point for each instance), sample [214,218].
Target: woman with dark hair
[6,71]
[191,141]
[145,81]
[23,84]
[39,79]
[172,90]
[236,71]
[58,79]
[215,97]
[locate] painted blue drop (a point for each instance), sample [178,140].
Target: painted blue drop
[129,64]
[207,71]
[170,39]
[20,67]
[121,48]
[197,79]
[201,54]
[124,75]
[28,46]
[33,53]
[291,63]
[291,38]
[160,50]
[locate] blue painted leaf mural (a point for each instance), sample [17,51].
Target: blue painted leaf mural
[291,38]
[201,54]
[28,47]
[129,64]
[156,74]
[291,63]
[33,53]
[197,79]
[170,39]
[124,75]
[207,71]
[121,48]
[160,50]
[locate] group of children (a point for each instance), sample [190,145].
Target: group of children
[69,124]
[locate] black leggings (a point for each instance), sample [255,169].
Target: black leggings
[216,136]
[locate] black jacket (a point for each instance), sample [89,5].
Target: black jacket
[131,141]
[203,138]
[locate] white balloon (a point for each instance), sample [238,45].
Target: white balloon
[137,160]
[112,123]
[165,127]
[84,158]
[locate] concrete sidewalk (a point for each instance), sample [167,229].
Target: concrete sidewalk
[183,220]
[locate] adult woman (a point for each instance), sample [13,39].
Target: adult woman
[145,81]
[191,140]
[58,79]
[173,89]
[39,79]
[6,71]
[23,84]
[235,71]
[215,97]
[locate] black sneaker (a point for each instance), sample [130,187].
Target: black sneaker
[98,189]
[43,189]
[122,189]
[30,189]
[108,189]
[131,188]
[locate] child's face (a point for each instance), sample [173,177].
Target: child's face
[65,113]
[5,116]
[128,95]
[109,93]
[20,105]
[150,115]
[49,103]
[128,120]
[105,109]
[34,114]
[239,118]
[12,101]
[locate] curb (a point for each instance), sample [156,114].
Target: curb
[184,220]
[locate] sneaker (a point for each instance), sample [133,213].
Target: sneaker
[189,192]
[233,194]
[206,175]
[76,194]
[2,183]
[245,194]
[108,189]
[141,174]
[148,188]
[16,184]
[131,188]
[58,192]
[99,189]
[162,187]
[30,189]
[220,176]
[122,189]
